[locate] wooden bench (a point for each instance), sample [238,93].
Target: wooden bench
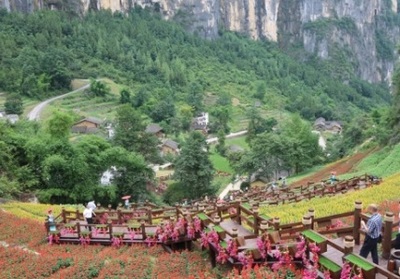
[368,269]
[333,268]
[316,238]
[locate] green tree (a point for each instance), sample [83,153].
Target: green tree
[130,133]
[261,90]
[193,168]
[132,174]
[59,125]
[301,148]
[221,147]
[163,111]
[196,97]
[99,88]
[258,125]
[221,116]
[13,104]
[140,98]
[263,159]
[125,96]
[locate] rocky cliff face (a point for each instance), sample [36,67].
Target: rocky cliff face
[365,31]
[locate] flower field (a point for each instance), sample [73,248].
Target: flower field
[25,253]
[33,211]
[288,213]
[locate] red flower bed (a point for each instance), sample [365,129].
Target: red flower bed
[28,255]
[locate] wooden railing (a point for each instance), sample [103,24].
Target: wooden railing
[296,194]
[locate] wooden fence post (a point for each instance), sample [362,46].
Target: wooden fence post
[77,214]
[311,213]
[110,230]
[255,222]
[78,229]
[219,209]
[348,244]
[177,210]
[64,215]
[306,222]
[119,216]
[239,213]
[264,226]
[387,235]
[150,217]
[357,221]
[276,223]
[143,225]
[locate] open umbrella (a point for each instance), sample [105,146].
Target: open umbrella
[126,197]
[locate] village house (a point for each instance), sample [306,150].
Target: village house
[169,147]
[156,130]
[200,123]
[323,125]
[87,125]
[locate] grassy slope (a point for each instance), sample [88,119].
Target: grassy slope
[383,163]
[82,105]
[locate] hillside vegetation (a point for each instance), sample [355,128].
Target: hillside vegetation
[158,60]
[382,163]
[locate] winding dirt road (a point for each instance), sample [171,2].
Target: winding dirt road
[34,114]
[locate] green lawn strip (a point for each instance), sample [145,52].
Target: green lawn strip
[313,236]
[218,229]
[360,262]
[224,244]
[202,216]
[246,205]
[220,163]
[328,264]
[265,217]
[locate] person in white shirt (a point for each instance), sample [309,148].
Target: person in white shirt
[88,215]
[92,205]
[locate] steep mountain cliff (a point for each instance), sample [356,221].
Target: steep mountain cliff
[361,35]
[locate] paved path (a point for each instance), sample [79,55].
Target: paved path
[231,186]
[230,136]
[321,139]
[34,114]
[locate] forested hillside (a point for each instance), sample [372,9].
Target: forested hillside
[168,76]
[157,60]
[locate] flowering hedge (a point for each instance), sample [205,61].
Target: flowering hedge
[289,213]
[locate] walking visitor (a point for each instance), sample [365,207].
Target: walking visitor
[372,230]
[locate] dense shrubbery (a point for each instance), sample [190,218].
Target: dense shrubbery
[43,160]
